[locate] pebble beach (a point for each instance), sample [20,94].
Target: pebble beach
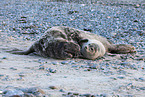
[22,22]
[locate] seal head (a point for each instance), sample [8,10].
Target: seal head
[93,49]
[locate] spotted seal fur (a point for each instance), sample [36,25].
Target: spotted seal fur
[65,42]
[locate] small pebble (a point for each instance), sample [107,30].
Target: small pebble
[94,66]
[142,88]
[2,75]
[61,90]
[4,57]
[85,29]
[35,90]
[52,87]
[41,67]
[12,68]
[103,95]
[48,74]
[22,74]
[22,21]
[86,95]
[12,92]
[71,12]
[141,79]
[29,95]
[129,86]
[23,17]
[121,77]
[64,62]
[125,63]
[69,93]
[129,95]
[75,93]
[135,20]
[52,70]
[55,63]
[21,79]
[113,78]
[74,66]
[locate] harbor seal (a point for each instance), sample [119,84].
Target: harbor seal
[63,42]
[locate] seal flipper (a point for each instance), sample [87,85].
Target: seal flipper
[121,49]
[19,52]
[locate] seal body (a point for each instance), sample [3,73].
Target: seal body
[65,42]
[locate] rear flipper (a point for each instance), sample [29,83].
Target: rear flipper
[121,49]
[20,52]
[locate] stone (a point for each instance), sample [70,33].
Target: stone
[52,87]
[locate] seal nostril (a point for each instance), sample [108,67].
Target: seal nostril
[92,49]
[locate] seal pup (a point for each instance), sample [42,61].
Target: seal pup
[63,42]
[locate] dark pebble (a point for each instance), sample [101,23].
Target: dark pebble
[74,66]
[55,63]
[64,95]
[23,17]
[52,87]
[115,67]
[20,78]
[22,74]
[125,63]
[86,95]
[85,29]
[69,93]
[88,69]
[75,93]
[41,67]
[16,96]
[113,78]
[64,62]
[135,21]
[22,21]
[141,79]
[29,95]
[12,68]
[133,67]
[142,88]
[94,66]
[48,74]
[120,77]
[61,90]
[4,57]
[71,12]
[140,58]
[2,75]
[52,70]
[129,95]
[103,95]
[129,86]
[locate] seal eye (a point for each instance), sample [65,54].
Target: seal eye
[92,49]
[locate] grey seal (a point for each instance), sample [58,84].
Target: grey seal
[63,42]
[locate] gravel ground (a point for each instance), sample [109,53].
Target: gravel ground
[24,21]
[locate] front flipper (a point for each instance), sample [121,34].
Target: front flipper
[121,49]
[63,50]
